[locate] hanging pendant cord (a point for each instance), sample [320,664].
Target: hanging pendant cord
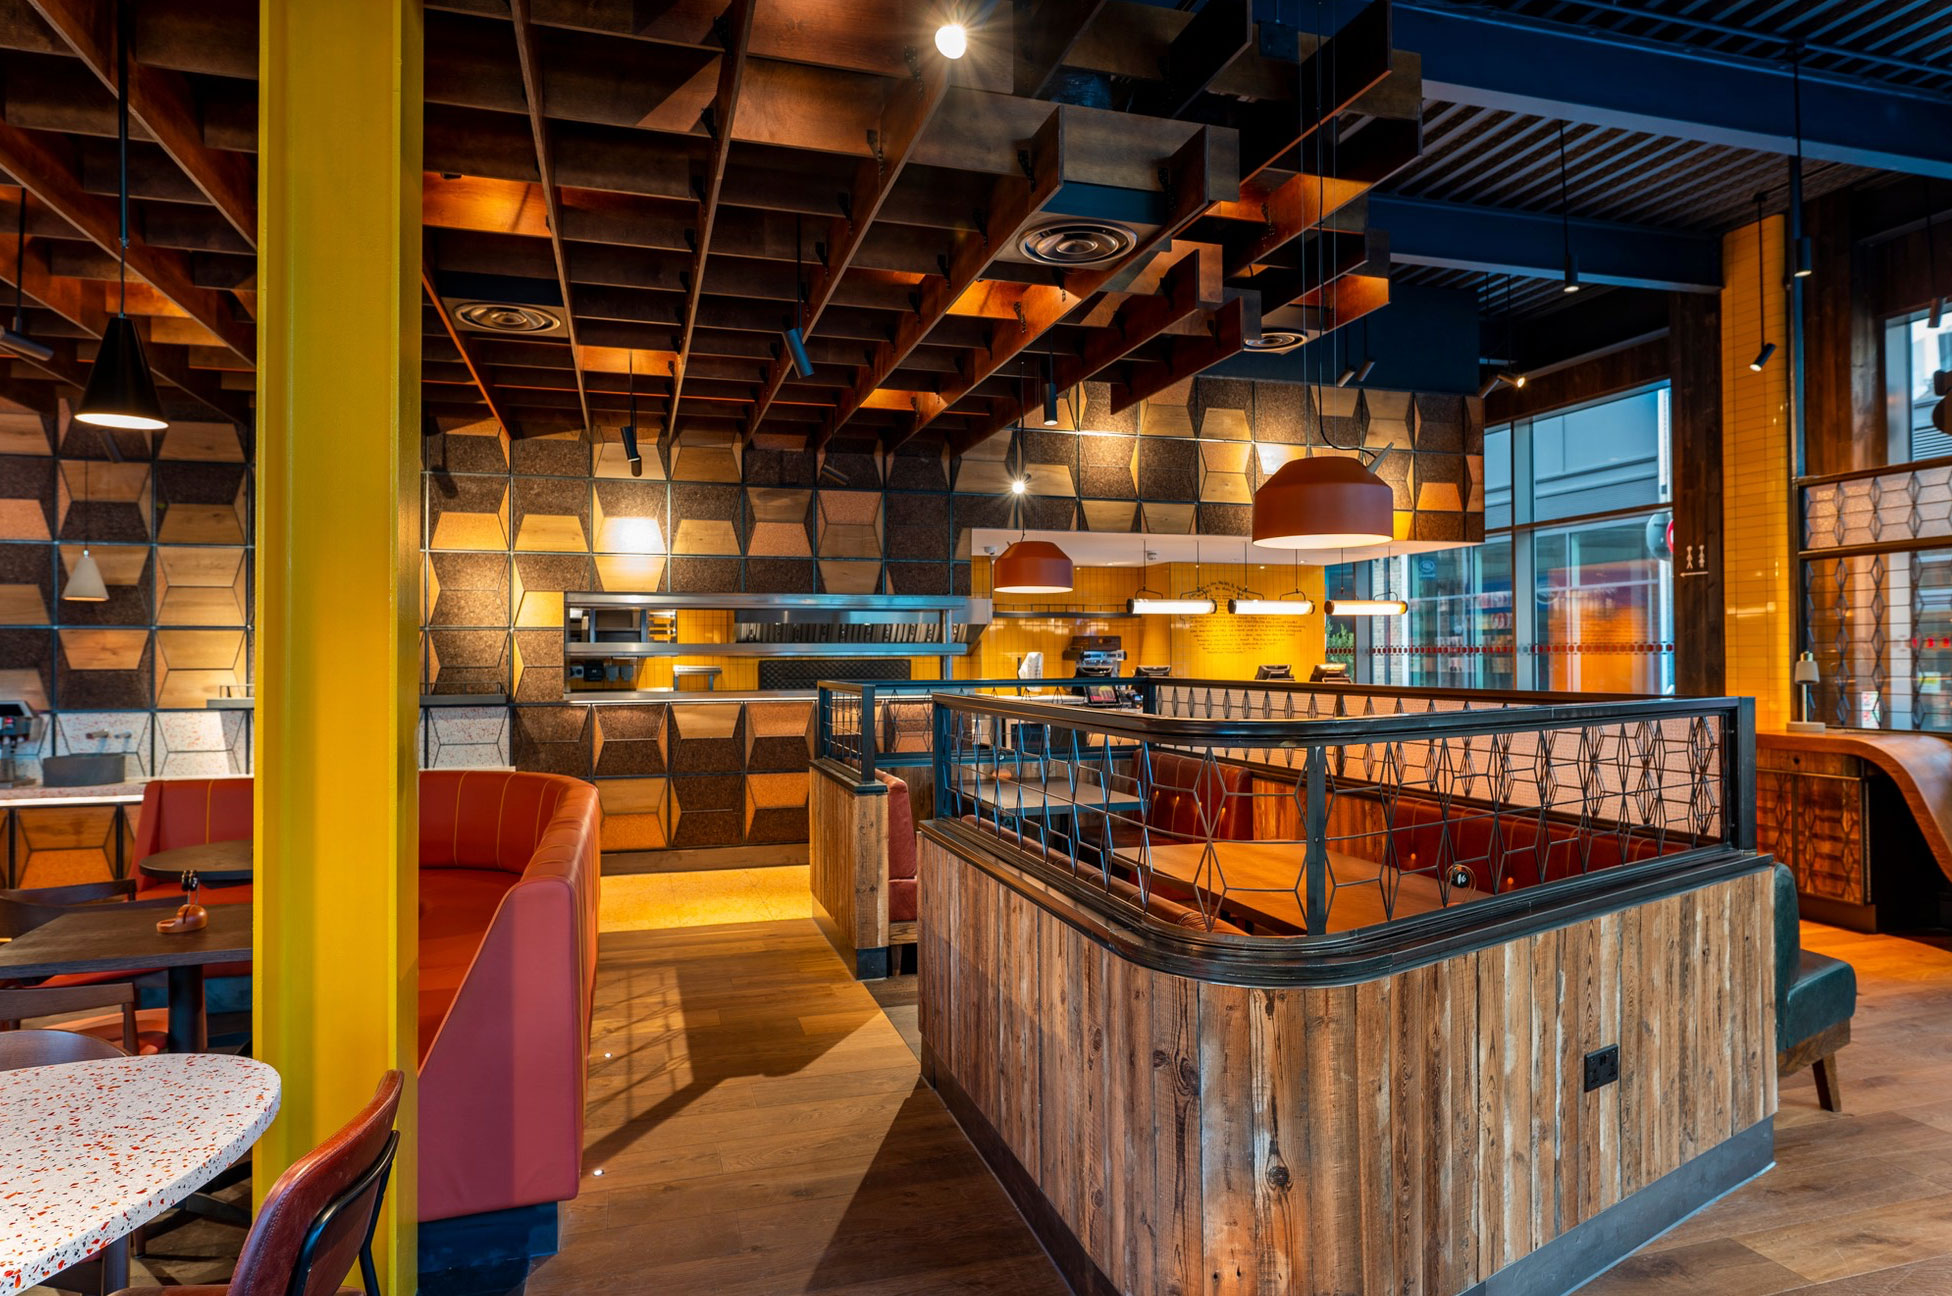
[20,262]
[1761,275]
[1565,204]
[121,140]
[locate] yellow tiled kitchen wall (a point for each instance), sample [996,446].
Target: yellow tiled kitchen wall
[1758,557]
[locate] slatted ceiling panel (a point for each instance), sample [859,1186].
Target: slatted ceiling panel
[1492,158]
[1905,42]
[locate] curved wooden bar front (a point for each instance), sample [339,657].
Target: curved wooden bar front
[1183,1112]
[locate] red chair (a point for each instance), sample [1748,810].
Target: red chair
[318,1219]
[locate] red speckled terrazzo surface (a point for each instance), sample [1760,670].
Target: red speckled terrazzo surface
[90,1151]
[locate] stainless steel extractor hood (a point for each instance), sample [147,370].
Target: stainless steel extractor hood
[774,625]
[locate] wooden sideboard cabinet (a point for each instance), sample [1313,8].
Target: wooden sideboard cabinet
[1846,832]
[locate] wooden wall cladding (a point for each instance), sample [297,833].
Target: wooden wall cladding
[847,862]
[1416,1133]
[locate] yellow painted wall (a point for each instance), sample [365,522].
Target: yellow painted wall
[1217,645]
[1758,555]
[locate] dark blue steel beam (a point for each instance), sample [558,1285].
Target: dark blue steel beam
[1492,60]
[1456,236]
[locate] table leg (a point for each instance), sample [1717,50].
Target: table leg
[188,1028]
[115,1265]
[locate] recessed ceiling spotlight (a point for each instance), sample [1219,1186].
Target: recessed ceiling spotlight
[505,317]
[1077,242]
[952,40]
[1019,485]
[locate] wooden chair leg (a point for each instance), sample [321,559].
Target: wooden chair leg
[1829,1094]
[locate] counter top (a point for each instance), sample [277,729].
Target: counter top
[102,794]
[641,696]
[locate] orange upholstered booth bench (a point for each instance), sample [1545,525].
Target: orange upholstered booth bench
[508,910]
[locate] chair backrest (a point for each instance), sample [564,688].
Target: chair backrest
[1789,941]
[318,1217]
[32,1048]
[21,911]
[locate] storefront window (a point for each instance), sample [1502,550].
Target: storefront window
[1914,351]
[1574,513]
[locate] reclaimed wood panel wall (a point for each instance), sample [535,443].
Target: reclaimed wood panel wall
[847,857]
[1411,1134]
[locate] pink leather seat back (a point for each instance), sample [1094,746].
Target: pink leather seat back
[189,812]
[485,818]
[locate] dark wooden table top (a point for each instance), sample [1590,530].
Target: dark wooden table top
[123,938]
[217,863]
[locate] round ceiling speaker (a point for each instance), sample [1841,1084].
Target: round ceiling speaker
[500,317]
[1275,340]
[1077,243]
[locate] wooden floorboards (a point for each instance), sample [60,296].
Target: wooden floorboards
[1860,1203]
[761,1128]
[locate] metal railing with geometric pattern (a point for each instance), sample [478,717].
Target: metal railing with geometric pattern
[1275,810]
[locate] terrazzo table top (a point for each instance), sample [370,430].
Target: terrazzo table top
[90,1151]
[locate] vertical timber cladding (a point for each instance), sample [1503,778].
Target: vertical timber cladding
[847,859]
[1416,1133]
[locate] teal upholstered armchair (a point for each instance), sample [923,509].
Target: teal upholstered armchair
[1815,998]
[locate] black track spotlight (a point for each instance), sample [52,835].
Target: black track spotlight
[1347,376]
[1512,378]
[1367,367]
[1489,385]
[25,347]
[797,346]
[1805,258]
[631,454]
[1762,357]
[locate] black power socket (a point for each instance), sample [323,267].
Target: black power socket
[1602,1067]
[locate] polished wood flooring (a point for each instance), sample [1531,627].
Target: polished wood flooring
[760,1127]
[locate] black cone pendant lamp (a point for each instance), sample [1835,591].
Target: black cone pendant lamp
[121,391]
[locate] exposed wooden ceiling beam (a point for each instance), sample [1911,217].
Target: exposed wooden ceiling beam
[166,106]
[1138,321]
[903,121]
[489,396]
[1013,200]
[545,165]
[1046,34]
[31,159]
[735,32]
[1218,34]
[1197,178]
[1185,356]
[1337,73]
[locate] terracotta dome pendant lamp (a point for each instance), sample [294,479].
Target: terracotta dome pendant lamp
[1324,502]
[1032,567]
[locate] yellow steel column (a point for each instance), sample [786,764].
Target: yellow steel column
[338,538]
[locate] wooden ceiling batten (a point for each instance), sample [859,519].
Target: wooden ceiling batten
[735,37]
[489,395]
[162,101]
[911,108]
[545,165]
[1013,200]
[1195,177]
[31,159]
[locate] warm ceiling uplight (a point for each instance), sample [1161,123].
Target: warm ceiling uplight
[952,40]
[1033,567]
[1326,502]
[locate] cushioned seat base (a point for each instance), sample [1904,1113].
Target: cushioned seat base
[1823,994]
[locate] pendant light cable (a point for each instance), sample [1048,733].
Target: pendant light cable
[122,25]
[1571,265]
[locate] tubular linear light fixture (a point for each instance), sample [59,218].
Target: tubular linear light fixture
[121,391]
[1365,607]
[1168,607]
[1565,221]
[1270,607]
[1762,294]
